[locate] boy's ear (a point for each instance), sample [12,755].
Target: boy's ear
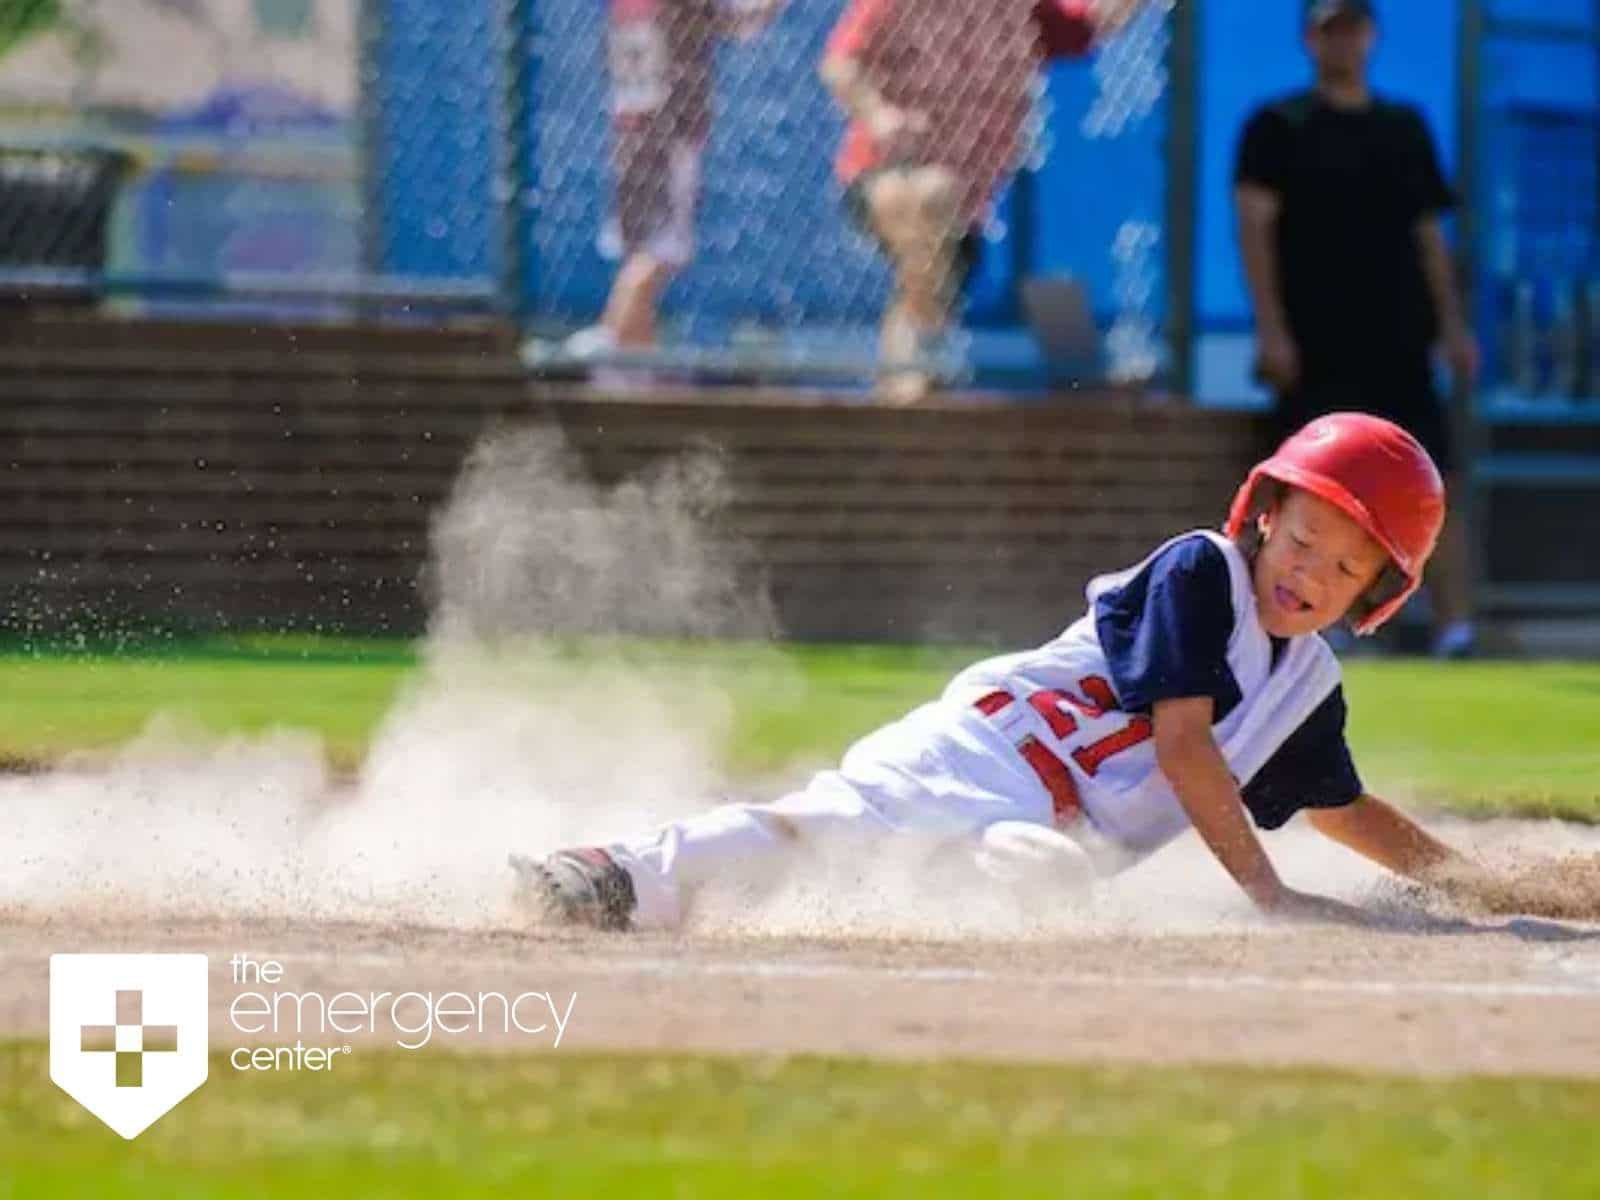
[1266,518]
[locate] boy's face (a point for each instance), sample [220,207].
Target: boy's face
[1314,563]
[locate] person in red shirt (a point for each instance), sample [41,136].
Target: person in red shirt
[659,56]
[938,93]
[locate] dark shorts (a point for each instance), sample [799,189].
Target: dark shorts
[654,198]
[1403,392]
[968,251]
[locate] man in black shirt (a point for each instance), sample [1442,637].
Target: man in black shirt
[1341,202]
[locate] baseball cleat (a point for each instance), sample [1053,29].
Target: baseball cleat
[578,887]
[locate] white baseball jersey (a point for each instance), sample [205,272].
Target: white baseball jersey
[1181,623]
[1059,735]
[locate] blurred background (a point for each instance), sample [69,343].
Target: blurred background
[365,184]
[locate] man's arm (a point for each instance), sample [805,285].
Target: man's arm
[1277,357]
[1192,762]
[1460,346]
[1430,197]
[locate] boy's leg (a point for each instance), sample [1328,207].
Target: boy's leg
[915,778]
[1034,860]
[742,845]
[630,314]
[657,195]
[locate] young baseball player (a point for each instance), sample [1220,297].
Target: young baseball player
[938,94]
[1194,692]
[660,57]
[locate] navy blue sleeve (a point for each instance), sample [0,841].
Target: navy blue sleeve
[1165,632]
[1313,769]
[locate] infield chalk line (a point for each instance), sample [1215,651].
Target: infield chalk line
[774,969]
[782,969]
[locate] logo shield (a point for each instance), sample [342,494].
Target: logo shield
[129,1033]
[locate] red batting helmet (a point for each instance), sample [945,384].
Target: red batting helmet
[1378,475]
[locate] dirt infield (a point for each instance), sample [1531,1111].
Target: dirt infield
[1167,968]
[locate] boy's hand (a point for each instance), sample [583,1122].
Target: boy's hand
[1290,905]
[1559,889]
[897,132]
[746,19]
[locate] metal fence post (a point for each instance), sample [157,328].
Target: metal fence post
[370,28]
[1182,155]
[515,176]
[1471,434]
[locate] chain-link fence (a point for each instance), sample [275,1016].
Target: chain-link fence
[726,185]
[233,155]
[1535,202]
[753,185]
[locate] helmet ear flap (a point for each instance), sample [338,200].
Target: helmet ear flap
[1265,497]
[1391,584]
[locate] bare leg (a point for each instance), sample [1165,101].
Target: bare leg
[630,314]
[915,213]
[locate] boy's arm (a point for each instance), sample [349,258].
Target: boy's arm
[1564,889]
[1388,837]
[1189,757]
[892,128]
[1382,833]
[842,69]
[850,85]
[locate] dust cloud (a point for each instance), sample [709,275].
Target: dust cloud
[509,737]
[528,726]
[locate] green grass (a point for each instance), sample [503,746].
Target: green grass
[55,703]
[1478,737]
[383,1124]
[23,19]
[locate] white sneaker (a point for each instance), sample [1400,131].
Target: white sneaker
[594,342]
[597,343]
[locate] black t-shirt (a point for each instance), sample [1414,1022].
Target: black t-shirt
[1353,185]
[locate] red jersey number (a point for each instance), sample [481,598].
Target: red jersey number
[1098,699]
